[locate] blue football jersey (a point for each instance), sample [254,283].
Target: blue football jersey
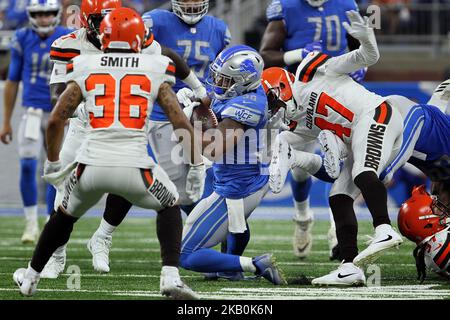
[306,24]
[432,150]
[30,63]
[198,44]
[241,173]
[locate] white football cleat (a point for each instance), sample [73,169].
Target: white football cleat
[99,247]
[347,275]
[280,164]
[385,238]
[302,240]
[55,266]
[173,287]
[441,96]
[26,281]
[31,232]
[333,150]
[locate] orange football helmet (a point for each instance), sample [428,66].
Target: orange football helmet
[277,83]
[122,29]
[93,11]
[422,215]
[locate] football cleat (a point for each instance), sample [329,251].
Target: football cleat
[230,276]
[280,165]
[441,96]
[31,232]
[54,267]
[267,268]
[333,150]
[302,240]
[347,275]
[173,287]
[26,281]
[385,238]
[99,247]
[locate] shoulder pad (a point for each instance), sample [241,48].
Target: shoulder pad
[66,47]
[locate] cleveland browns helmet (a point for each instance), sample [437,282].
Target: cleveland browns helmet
[122,29]
[422,215]
[93,11]
[277,83]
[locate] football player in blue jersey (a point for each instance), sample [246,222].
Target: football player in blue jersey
[30,63]
[198,38]
[240,106]
[296,28]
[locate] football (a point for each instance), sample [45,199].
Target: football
[205,115]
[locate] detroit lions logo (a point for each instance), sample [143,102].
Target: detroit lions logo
[247,68]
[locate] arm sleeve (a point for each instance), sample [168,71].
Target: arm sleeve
[16,64]
[275,11]
[170,73]
[365,56]
[244,114]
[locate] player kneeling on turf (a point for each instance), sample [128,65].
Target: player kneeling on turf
[119,88]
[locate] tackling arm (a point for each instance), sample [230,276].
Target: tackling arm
[169,103]
[10,95]
[65,107]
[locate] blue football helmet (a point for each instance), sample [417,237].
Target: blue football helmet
[235,71]
[44,6]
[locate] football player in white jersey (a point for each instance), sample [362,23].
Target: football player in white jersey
[85,41]
[326,98]
[119,88]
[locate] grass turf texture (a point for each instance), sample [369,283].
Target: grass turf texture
[135,266]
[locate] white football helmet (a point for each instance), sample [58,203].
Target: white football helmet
[235,71]
[190,11]
[316,3]
[44,6]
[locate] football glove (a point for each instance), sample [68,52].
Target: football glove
[51,167]
[185,96]
[278,121]
[195,181]
[311,47]
[359,27]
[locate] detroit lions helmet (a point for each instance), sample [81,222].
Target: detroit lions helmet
[44,6]
[190,11]
[316,3]
[235,71]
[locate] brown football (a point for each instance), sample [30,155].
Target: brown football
[205,115]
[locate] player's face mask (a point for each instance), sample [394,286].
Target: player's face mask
[274,102]
[439,208]
[44,16]
[190,11]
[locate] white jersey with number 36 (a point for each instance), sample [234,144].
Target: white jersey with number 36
[119,92]
[329,100]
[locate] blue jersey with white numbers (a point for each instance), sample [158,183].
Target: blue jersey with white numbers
[432,150]
[241,172]
[198,44]
[306,24]
[30,63]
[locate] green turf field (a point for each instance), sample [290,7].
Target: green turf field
[135,267]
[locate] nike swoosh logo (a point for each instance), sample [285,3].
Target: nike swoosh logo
[340,276]
[387,239]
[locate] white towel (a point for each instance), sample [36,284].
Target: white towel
[33,123]
[236,215]
[57,178]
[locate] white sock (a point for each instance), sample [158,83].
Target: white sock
[170,271]
[247,264]
[302,211]
[309,162]
[31,213]
[105,229]
[31,273]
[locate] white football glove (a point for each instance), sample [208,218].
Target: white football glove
[359,27]
[200,92]
[185,96]
[195,181]
[52,167]
[277,121]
